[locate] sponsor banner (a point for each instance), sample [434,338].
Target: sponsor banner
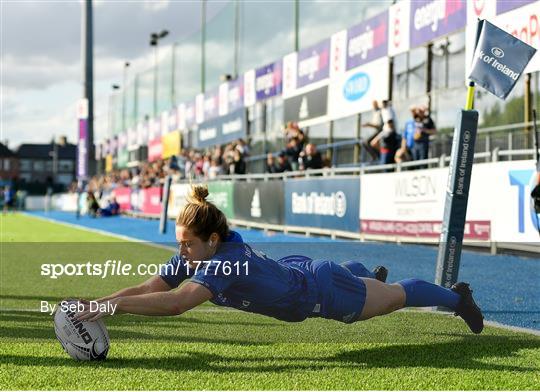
[99,148]
[499,60]
[123,197]
[150,200]
[222,194]
[431,19]
[222,130]
[155,150]
[354,91]
[177,199]
[506,5]
[181,116]
[399,27]
[190,115]
[259,201]
[474,230]
[327,203]
[313,64]
[64,202]
[223,106]
[132,137]
[235,95]
[82,150]
[122,158]
[172,121]
[122,141]
[249,88]
[142,133]
[135,200]
[199,108]
[306,106]
[338,53]
[412,203]
[367,41]
[109,163]
[164,123]
[290,76]
[268,81]
[211,105]
[154,130]
[171,143]
[114,146]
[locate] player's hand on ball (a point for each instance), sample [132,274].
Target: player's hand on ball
[94,310]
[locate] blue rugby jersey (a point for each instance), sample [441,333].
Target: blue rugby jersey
[246,279]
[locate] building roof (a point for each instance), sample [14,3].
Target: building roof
[43,151]
[5,152]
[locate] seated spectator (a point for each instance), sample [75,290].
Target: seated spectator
[112,209]
[282,164]
[310,158]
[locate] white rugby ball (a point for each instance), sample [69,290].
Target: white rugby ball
[82,340]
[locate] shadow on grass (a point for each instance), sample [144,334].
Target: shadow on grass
[466,353]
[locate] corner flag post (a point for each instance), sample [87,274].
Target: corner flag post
[499,60]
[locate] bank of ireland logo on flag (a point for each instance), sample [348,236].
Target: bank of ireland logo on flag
[499,59]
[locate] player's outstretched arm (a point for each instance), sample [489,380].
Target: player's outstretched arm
[168,303]
[152,285]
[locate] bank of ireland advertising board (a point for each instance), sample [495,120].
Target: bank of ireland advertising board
[354,91]
[323,203]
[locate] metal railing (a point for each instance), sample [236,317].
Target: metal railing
[441,162]
[502,137]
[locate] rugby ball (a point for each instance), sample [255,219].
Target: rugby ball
[82,340]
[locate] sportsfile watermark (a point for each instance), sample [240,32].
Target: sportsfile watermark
[112,268]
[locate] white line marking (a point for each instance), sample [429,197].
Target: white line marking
[102,232]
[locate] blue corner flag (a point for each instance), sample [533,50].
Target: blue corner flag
[499,59]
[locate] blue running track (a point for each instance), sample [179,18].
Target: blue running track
[507,288]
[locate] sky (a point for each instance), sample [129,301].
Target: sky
[40,62]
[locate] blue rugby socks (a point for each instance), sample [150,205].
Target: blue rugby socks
[420,293]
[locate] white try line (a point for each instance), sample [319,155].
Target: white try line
[102,232]
[196,310]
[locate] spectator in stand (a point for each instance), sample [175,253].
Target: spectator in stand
[215,169]
[270,163]
[92,204]
[242,146]
[389,142]
[377,124]
[282,164]
[388,113]
[407,141]
[310,158]
[238,165]
[112,209]
[292,151]
[425,128]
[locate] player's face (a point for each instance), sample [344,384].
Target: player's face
[192,248]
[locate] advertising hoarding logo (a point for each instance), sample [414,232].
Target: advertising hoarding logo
[316,203]
[256,210]
[356,86]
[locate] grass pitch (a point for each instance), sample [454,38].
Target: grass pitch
[216,348]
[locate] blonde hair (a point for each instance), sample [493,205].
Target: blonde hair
[202,217]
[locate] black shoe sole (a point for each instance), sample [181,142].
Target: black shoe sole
[467,308]
[381,273]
